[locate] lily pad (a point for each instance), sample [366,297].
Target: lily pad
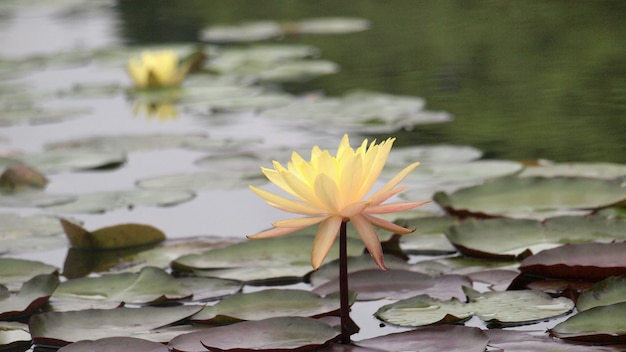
[608,291]
[242,32]
[330,270]
[207,180]
[115,344]
[297,71]
[33,294]
[377,284]
[429,236]
[537,341]
[14,270]
[586,261]
[510,239]
[400,157]
[13,226]
[525,196]
[604,324]
[14,336]
[328,25]
[268,303]
[129,143]
[61,328]
[29,198]
[245,61]
[151,285]
[99,202]
[462,265]
[358,112]
[20,177]
[73,159]
[265,259]
[595,170]
[431,339]
[118,236]
[38,115]
[423,310]
[479,170]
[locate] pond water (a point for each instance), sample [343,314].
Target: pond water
[521,81]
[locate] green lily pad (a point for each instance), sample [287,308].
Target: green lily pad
[430,339]
[297,71]
[268,303]
[79,263]
[61,328]
[150,285]
[207,180]
[537,341]
[99,202]
[463,172]
[115,344]
[14,270]
[33,294]
[245,61]
[34,198]
[328,25]
[243,32]
[261,101]
[510,239]
[603,324]
[608,291]
[357,112]
[38,115]
[73,159]
[117,236]
[462,265]
[330,270]
[429,236]
[507,308]
[375,284]
[29,233]
[14,336]
[586,261]
[525,196]
[595,170]
[130,143]
[400,157]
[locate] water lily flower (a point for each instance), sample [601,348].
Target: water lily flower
[157,69]
[330,190]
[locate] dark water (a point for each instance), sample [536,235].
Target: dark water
[524,80]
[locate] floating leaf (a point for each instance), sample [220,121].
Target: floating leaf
[33,294]
[131,143]
[34,199]
[151,285]
[537,341]
[38,115]
[328,25]
[431,154]
[267,304]
[74,159]
[423,310]
[479,170]
[449,338]
[330,270]
[608,291]
[98,202]
[14,336]
[278,258]
[115,344]
[509,239]
[429,236]
[525,196]
[61,328]
[596,170]
[208,180]
[243,32]
[19,177]
[587,261]
[14,270]
[246,61]
[298,71]
[29,233]
[374,284]
[604,324]
[462,265]
[117,236]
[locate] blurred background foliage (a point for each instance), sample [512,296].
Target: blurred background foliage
[524,79]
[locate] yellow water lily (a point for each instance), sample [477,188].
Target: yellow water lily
[330,190]
[157,69]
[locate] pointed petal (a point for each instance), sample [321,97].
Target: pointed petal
[376,198]
[299,222]
[327,192]
[393,207]
[354,209]
[326,235]
[370,238]
[389,226]
[274,232]
[289,205]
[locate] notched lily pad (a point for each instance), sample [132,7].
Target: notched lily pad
[61,328]
[117,236]
[608,291]
[423,310]
[33,294]
[602,324]
[587,261]
[268,303]
[532,196]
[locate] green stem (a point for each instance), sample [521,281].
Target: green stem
[344,300]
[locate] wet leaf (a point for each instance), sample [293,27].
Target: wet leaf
[61,328]
[587,261]
[268,303]
[14,336]
[431,339]
[603,324]
[509,239]
[99,202]
[608,291]
[150,285]
[117,236]
[424,310]
[115,344]
[19,177]
[14,270]
[33,294]
[532,196]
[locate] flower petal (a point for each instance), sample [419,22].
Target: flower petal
[365,229]
[290,205]
[378,197]
[299,222]
[274,232]
[393,207]
[326,235]
[389,226]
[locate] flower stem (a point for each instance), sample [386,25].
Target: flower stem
[344,300]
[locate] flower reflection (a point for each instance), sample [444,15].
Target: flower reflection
[160,110]
[330,190]
[157,69]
